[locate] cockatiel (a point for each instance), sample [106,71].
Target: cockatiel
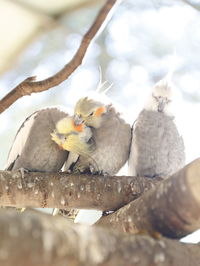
[157,148]
[111,136]
[73,138]
[110,133]
[44,140]
[34,147]
[78,142]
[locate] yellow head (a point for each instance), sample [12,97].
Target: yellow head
[72,137]
[67,125]
[90,112]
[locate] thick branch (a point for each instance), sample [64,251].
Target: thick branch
[61,190]
[171,208]
[29,86]
[48,241]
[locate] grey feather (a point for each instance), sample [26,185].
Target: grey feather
[157,148]
[33,148]
[112,144]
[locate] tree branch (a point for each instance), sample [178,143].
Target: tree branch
[171,208]
[61,190]
[29,85]
[192,4]
[48,241]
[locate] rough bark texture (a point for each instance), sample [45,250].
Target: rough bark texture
[37,239]
[61,190]
[29,85]
[171,208]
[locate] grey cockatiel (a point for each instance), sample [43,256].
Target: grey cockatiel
[111,136]
[110,133]
[44,140]
[157,148]
[33,148]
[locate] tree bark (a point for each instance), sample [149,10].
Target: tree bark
[37,239]
[172,208]
[61,190]
[29,85]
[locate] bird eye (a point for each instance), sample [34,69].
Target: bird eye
[91,114]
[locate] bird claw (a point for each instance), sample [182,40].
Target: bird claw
[105,213]
[23,171]
[78,171]
[69,214]
[93,171]
[104,173]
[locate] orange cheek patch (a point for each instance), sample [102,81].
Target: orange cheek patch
[99,111]
[61,147]
[78,128]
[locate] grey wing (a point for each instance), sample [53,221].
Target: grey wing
[132,153]
[175,147]
[19,141]
[157,145]
[112,145]
[148,138]
[39,152]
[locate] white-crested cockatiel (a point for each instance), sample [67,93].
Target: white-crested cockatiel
[110,133]
[157,148]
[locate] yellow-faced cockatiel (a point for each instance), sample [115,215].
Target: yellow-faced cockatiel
[157,147]
[111,136]
[110,133]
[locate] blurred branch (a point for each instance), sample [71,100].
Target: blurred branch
[172,208]
[48,241]
[29,85]
[61,190]
[192,4]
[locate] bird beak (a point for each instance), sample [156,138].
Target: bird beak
[78,120]
[161,105]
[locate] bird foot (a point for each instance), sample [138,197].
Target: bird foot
[102,173]
[105,213]
[23,171]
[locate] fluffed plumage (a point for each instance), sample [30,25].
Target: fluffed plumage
[46,140]
[110,133]
[33,148]
[157,148]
